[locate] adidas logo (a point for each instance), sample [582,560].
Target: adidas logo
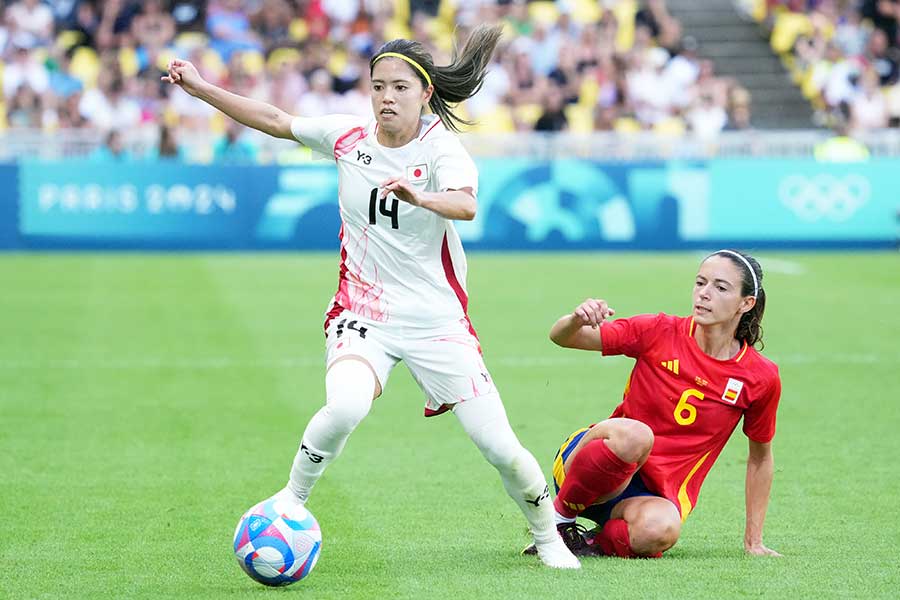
[670,365]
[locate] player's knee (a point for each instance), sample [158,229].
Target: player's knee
[631,440]
[503,453]
[654,533]
[350,385]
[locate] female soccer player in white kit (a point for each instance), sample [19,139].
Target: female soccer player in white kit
[403,178]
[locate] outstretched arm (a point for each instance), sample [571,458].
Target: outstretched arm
[459,205]
[580,329]
[760,470]
[252,113]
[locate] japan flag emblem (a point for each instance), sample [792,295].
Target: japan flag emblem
[417,173]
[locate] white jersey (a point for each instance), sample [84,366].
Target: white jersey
[400,264]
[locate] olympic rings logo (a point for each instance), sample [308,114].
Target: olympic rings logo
[824,196]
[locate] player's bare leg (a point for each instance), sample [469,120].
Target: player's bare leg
[601,465]
[599,468]
[642,526]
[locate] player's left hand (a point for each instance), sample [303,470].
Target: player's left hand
[401,188]
[759,550]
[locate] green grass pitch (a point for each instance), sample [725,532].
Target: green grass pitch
[147,400]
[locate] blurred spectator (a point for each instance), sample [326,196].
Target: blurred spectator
[552,118]
[167,147]
[115,23]
[320,97]
[229,28]
[24,69]
[646,86]
[272,22]
[851,34]
[87,22]
[739,113]
[24,110]
[868,108]
[106,106]
[841,147]
[152,29]
[681,73]
[112,150]
[707,118]
[884,14]
[881,58]
[358,101]
[233,148]
[33,18]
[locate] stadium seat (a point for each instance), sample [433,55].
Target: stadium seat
[588,92]
[670,126]
[68,38]
[128,61]
[586,11]
[580,118]
[85,66]
[498,120]
[163,59]
[189,40]
[625,10]
[280,56]
[337,62]
[252,61]
[298,30]
[543,12]
[212,62]
[788,27]
[528,113]
[626,125]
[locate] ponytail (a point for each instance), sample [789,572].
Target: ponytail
[749,327]
[456,82]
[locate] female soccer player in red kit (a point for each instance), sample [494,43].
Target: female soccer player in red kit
[638,473]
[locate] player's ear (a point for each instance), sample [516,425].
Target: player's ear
[747,304]
[427,93]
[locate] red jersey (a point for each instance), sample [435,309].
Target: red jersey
[691,401]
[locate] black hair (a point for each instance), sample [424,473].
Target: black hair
[459,80]
[749,328]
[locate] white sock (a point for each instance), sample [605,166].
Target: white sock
[349,387]
[559,519]
[484,420]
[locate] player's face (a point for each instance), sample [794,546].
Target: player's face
[397,96]
[717,293]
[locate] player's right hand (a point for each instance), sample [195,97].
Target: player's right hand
[592,312]
[184,74]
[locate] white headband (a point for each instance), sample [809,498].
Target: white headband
[749,268]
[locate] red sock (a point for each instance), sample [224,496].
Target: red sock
[594,472]
[614,540]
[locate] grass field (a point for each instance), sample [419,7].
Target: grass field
[147,401]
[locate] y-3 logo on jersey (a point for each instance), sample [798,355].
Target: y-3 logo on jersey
[363,157]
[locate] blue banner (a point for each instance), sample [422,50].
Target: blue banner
[523,204]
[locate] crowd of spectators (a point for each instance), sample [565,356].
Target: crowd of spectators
[576,65]
[845,56]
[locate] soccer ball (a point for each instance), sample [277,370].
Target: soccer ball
[277,542]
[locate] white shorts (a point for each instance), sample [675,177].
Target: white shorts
[445,361]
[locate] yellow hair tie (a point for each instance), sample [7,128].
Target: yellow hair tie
[407,59]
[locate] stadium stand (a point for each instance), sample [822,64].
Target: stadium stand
[676,69]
